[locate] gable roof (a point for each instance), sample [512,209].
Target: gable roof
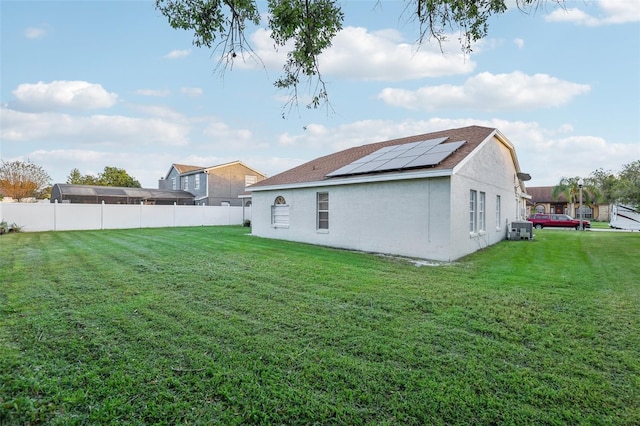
[543,194]
[184,168]
[317,170]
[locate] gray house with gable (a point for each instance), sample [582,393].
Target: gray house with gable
[219,185]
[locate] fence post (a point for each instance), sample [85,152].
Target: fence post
[102,215]
[55,215]
[174,214]
[141,204]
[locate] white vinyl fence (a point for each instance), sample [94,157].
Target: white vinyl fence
[33,217]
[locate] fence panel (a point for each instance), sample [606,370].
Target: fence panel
[33,217]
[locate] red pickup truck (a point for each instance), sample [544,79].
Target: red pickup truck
[556,221]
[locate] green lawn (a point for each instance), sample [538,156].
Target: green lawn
[210,325]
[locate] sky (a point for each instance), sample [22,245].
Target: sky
[89,84]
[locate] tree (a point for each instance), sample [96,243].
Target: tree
[22,179]
[110,176]
[627,189]
[571,190]
[311,25]
[113,176]
[604,182]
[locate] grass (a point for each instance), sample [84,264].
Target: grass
[213,326]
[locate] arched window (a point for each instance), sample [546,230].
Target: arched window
[280,213]
[539,209]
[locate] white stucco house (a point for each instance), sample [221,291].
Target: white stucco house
[436,196]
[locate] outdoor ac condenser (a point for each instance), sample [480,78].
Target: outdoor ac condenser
[521,230]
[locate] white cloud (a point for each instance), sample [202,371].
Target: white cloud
[611,12]
[112,130]
[153,92]
[35,32]
[519,42]
[359,54]
[191,91]
[489,92]
[78,95]
[176,54]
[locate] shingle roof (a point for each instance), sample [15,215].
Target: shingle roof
[543,194]
[316,170]
[184,168]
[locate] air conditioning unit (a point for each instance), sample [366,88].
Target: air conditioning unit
[521,230]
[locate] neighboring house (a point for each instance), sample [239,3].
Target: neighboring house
[94,194]
[213,186]
[542,201]
[436,196]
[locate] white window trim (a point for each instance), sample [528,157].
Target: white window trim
[174,184]
[498,213]
[318,211]
[473,212]
[196,182]
[482,212]
[185,183]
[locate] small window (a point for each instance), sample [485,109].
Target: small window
[185,183]
[174,186]
[196,182]
[473,220]
[323,210]
[280,213]
[250,180]
[482,214]
[498,212]
[539,208]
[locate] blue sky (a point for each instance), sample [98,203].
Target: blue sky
[89,84]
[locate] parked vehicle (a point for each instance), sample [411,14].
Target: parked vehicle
[556,221]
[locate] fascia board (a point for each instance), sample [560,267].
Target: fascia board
[357,180]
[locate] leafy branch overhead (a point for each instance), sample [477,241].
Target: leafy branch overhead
[309,26]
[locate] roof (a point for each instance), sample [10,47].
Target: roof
[186,169]
[112,191]
[317,170]
[544,194]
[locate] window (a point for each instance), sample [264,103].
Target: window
[482,214]
[323,210]
[174,186]
[196,182]
[280,213]
[250,180]
[473,223]
[185,183]
[498,212]
[539,208]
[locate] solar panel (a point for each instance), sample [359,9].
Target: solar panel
[398,157]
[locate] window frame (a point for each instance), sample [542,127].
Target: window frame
[174,183]
[196,182]
[280,213]
[482,212]
[473,218]
[185,183]
[322,211]
[498,213]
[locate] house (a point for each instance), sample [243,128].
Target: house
[213,186]
[542,201]
[93,194]
[437,196]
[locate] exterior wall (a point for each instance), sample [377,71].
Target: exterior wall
[407,218]
[201,192]
[168,182]
[227,183]
[492,171]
